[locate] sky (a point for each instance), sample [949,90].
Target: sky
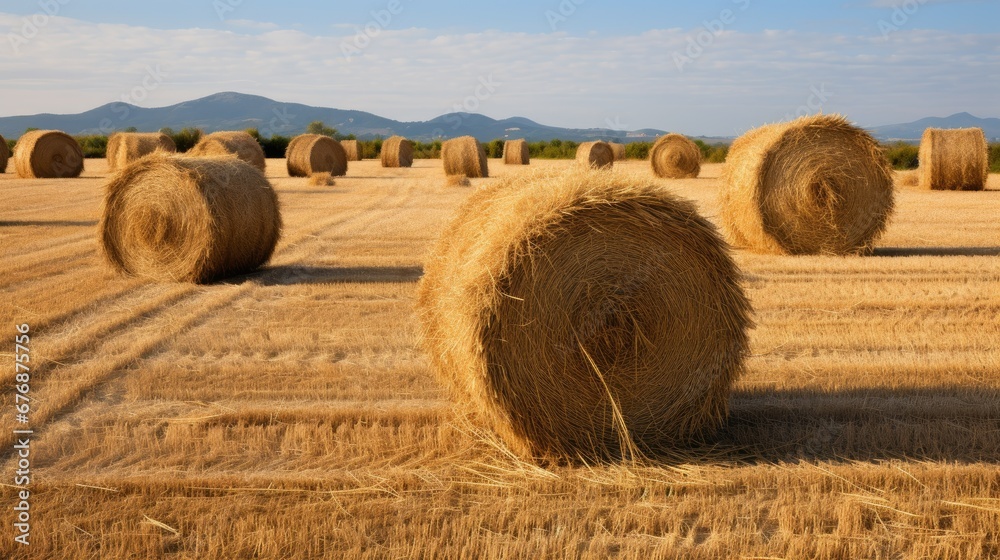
[713,68]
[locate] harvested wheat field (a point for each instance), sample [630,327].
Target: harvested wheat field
[292,413]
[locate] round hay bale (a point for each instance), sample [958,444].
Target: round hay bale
[954,159]
[675,156]
[189,219]
[815,185]
[464,156]
[515,152]
[314,153]
[352,149]
[239,144]
[321,180]
[618,150]
[584,315]
[47,154]
[397,152]
[4,154]
[595,154]
[126,147]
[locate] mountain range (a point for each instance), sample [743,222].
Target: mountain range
[237,111]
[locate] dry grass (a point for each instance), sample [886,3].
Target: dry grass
[457,181]
[954,159]
[293,415]
[321,180]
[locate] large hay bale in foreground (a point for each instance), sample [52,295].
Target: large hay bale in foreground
[584,315]
[595,154]
[397,152]
[464,156]
[126,147]
[189,219]
[815,185]
[515,152]
[675,156]
[352,149]
[314,153]
[47,154]
[618,150]
[4,154]
[239,144]
[954,159]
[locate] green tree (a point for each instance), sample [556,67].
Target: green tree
[186,139]
[902,155]
[317,127]
[495,148]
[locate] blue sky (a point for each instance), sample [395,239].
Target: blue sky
[715,68]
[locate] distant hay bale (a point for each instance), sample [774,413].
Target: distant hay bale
[815,185]
[954,159]
[515,152]
[457,181]
[240,144]
[4,154]
[189,219]
[47,154]
[675,156]
[126,147]
[464,156]
[595,154]
[314,153]
[321,180]
[397,152]
[352,149]
[584,315]
[618,150]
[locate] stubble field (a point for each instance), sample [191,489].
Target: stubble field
[291,413]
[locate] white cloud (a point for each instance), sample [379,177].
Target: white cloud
[738,81]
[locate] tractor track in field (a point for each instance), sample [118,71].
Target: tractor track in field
[197,305]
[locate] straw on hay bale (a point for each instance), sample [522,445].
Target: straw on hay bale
[240,144]
[189,219]
[675,156]
[352,149]
[464,156]
[314,153]
[909,178]
[321,180]
[595,154]
[954,159]
[515,152]
[126,147]
[584,315]
[457,181]
[618,150]
[397,152]
[4,154]
[815,185]
[47,154]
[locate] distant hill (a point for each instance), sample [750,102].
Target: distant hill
[914,130]
[237,111]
